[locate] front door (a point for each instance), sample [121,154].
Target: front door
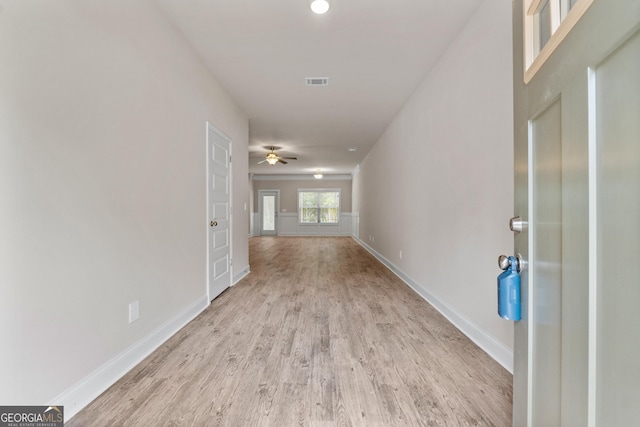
[268,207]
[577,188]
[218,211]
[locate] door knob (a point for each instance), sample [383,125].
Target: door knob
[504,262]
[516,224]
[214,223]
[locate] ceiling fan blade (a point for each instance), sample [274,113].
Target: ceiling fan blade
[262,161]
[282,161]
[289,158]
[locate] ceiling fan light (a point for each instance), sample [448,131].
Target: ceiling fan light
[320,6]
[272,158]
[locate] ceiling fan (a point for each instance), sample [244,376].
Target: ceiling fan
[272,158]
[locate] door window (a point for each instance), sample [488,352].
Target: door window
[268,213]
[546,24]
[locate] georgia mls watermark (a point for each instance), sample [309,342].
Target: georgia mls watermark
[31,416]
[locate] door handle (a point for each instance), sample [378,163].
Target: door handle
[214,223]
[504,262]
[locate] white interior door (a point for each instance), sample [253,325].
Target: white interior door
[218,211]
[269,207]
[577,186]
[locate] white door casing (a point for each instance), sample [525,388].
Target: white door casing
[577,186]
[218,212]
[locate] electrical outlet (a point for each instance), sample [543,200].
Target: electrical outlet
[134,311]
[400,254]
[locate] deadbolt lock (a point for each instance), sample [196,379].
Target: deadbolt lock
[517,224]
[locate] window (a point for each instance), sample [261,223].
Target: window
[546,24]
[318,206]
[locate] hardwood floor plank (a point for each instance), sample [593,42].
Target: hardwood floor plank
[319,334]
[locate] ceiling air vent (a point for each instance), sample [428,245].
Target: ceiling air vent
[317,81]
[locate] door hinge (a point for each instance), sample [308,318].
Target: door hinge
[229,159]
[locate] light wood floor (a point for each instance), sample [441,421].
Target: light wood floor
[319,334]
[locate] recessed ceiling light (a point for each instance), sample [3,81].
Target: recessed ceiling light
[352,149]
[320,6]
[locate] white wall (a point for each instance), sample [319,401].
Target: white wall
[438,185]
[102,177]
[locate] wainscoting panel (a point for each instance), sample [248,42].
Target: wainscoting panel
[288,226]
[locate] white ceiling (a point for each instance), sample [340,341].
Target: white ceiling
[374,52]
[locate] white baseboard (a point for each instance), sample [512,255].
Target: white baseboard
[244,273]
[89,388]
[498,351]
